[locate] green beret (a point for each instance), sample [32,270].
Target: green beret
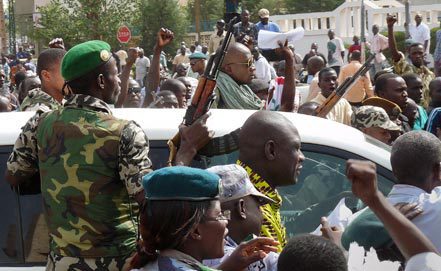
[367,230]
[181,183]
[84,58]
[197,55]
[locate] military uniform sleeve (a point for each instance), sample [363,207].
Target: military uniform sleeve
[23,161]
[133,162]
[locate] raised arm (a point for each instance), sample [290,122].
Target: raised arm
[391,20]
[125,74]
[164,37]
[289,86]
[409,239]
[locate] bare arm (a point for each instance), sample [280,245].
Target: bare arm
[164,37]
[391,20]
[289,86]
[125,74]
[409,239]
[426,43]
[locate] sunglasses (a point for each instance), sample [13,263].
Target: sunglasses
[249,63]
[134,90]
[224,215]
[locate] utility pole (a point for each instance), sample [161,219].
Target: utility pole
[197,18]
[406,25]
[362,29]
[12,38]
[3,40]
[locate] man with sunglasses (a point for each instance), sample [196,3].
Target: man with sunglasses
[134,95]
[197,63]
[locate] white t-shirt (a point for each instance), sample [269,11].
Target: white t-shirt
[335,46]
[427,261]
[420,34]
[263,69]
[141,65]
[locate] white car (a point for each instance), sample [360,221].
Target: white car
[322,183]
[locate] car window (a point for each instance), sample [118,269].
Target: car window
[321,185]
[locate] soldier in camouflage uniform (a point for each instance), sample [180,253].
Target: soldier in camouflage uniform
[90,165]
[49,96]
[374,121]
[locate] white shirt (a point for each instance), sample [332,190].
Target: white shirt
[430,220]
[263,69]
[427,261]
[336,47]
[141,65]
[420,34]
[377,44]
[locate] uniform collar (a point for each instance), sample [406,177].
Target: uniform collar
[87,102]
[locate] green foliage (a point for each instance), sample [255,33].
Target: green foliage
[211,10]
[400,37]
[433,39]
[80,20]
[301,6]
[156,14]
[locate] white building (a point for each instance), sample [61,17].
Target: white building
[346,22]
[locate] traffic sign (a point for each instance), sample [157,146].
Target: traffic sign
[124,34]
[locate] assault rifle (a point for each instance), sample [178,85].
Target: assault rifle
[204,94]
[342,89]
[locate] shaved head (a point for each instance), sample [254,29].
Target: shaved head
[235,51]
[315,64]
[178,88]
[416,158]
[270,144]
[238,63]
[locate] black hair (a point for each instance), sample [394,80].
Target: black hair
[325,70]
[415,44]
[48,58]
[413,156]
[381,82]
[409,77]
[19,77]
[308,252]
[167,225]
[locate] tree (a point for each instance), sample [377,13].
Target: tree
[80,20]
[211,10]
[162,13]
[300,6]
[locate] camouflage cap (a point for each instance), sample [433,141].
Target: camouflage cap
[392,109]
[236,184]
[372,116]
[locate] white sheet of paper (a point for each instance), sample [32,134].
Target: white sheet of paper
[338,217]
[269,39]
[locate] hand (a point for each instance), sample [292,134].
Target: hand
[284,51]
[193,138]
[57,43]
[391,20]
[132,55]
[249,252]
[409,210]
[363,176]
[164,37]
[333,234]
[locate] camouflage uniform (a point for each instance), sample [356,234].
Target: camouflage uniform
[90,165]
[38,100]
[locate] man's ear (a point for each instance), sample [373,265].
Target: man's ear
[226,69]
[437,174]
[241,209]
[100,81]
[270,150]
[45,75]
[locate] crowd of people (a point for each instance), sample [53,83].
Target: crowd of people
[107,209]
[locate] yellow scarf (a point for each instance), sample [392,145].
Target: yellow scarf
[272,224]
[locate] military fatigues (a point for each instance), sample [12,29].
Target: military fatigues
[38,100]
[90,165]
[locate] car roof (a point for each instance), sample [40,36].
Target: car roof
[162,124]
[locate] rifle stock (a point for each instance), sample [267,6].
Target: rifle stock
[204,94]
[342,89]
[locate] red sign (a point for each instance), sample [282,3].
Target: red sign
[124,34]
